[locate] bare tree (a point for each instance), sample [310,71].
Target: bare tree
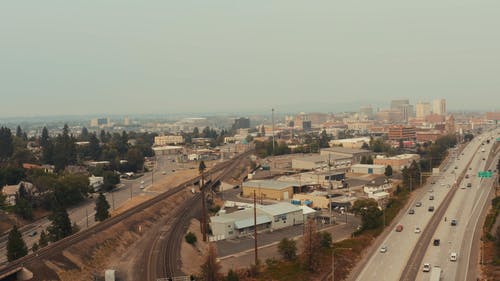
[311,247]
[210,269]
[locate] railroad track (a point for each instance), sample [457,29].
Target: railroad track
[164,256]
[62,244]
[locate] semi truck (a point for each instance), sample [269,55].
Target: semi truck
[435,274]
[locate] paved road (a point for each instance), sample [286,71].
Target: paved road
[466,207]
[389,266]
[83,214]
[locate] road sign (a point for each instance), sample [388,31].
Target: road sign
[485,174]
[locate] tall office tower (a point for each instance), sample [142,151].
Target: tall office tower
[399,104]
[423,109]
[439,106]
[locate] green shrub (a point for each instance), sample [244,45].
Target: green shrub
[191,238]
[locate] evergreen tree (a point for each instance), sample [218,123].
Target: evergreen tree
[6,144]
[94,147]
[101,208]
[16,247]
[61,225]
[311,249]
[288,249]
[44,139]
[19,132]
[44,240]
[35,247]
[84,136]
[369,160]
[388,171]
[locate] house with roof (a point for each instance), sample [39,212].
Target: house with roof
[11,191]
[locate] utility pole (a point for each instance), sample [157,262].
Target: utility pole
[255,226]
[87,216]
[203,214]
[272,118]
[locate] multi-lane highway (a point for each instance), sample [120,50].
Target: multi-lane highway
[465,209]
[392,264]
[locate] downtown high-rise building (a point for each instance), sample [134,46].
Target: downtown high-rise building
[423,109]
[439,106]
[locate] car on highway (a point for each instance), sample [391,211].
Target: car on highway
[411,212]
[453,222]
[431,190]
[383,249]
[436,242]
[418,204]
[470,168]
[399,228]
[467,176]
[456,167]
[142,182]
[431,209]
[462,187]
[163,173]
[431,197]
[142,186]
[469,184]
[427,267]
[417,230]
[453,256]
[33,234]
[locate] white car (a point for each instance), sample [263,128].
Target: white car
[427,267]
[453,256]
[417,230]
[383,249]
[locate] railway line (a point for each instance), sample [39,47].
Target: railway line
[62,244]
[164,254]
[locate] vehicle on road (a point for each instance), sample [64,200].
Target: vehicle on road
[456,167]
[431,209]
[454,222]
[467,176]
[431,197]
[462,187]
[469,184]
[399,228]
[142,182]
[142,186]
[411,212]
[435,274]
[453,256]
[431,190]
[436,242]
[163,173]
[383,249]
[32,234]
[470,168]
[427,267]
[419,204]
[417,230]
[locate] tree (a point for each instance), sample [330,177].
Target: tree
[19,132]
[287,249]
[35,247]
[371,215]
[202,167]
[44,138]
[363,160]
[324,139]
[94,148]
[101,208]
[64,150]
[44,240]
[16,247]
[190,238]
[365,146]
[111,179]
[135,159]
[84,136]
[61,225]
[6,143]
[388,171]
[369,160]
[325,239]
[210,269]
[232,276]
[311,246]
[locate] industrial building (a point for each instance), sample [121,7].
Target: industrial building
[271,189]
[269,218]
[353,154]
[368,169]
[350,143]
[317,162]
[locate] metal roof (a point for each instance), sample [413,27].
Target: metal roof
[269,184]
[279,208]
[244,223]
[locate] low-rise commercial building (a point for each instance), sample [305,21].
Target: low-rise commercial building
[397,162]
[350,143]
[271,189]
[269,217]
[167,150]
[400,132]
[168,140]
[354,154]
[368,169]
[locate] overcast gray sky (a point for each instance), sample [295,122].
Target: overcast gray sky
[132,57]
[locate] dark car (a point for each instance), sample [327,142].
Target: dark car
[419,204]
[453,222]
[411,212]
[431,197]
[436,242]
[431,209]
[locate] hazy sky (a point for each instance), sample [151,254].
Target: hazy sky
[130,57]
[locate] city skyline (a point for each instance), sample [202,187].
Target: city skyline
[185,57]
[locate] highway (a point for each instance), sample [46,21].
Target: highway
[466,208]
[83,214]
[390,265]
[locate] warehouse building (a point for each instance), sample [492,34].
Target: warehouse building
[269,218]
[271,189]
[352,154]
[318,162]
[397,162]
[368,169]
